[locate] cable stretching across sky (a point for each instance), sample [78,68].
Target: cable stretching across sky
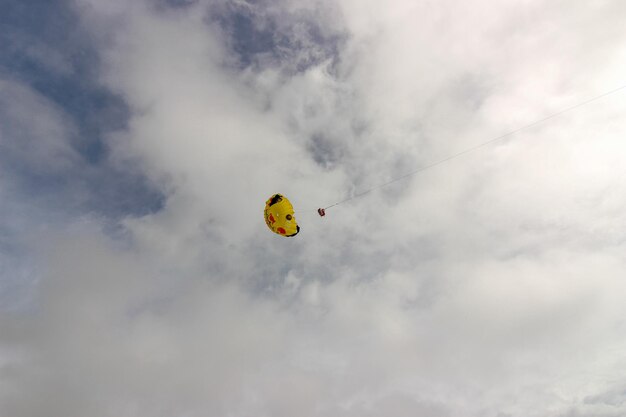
[321,211]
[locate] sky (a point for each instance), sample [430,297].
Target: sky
[140,140]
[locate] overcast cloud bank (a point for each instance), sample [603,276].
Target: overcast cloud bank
[138,277]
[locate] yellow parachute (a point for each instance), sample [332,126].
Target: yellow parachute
[279,216]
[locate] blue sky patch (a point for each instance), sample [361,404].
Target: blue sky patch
[262,36]
[44,47]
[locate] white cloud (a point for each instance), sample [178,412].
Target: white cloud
[39,145]
[487,286]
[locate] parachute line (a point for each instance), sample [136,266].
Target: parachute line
[478,146]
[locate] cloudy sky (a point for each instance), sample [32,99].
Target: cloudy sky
[139,142]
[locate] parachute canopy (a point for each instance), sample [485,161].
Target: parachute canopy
[279,216]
